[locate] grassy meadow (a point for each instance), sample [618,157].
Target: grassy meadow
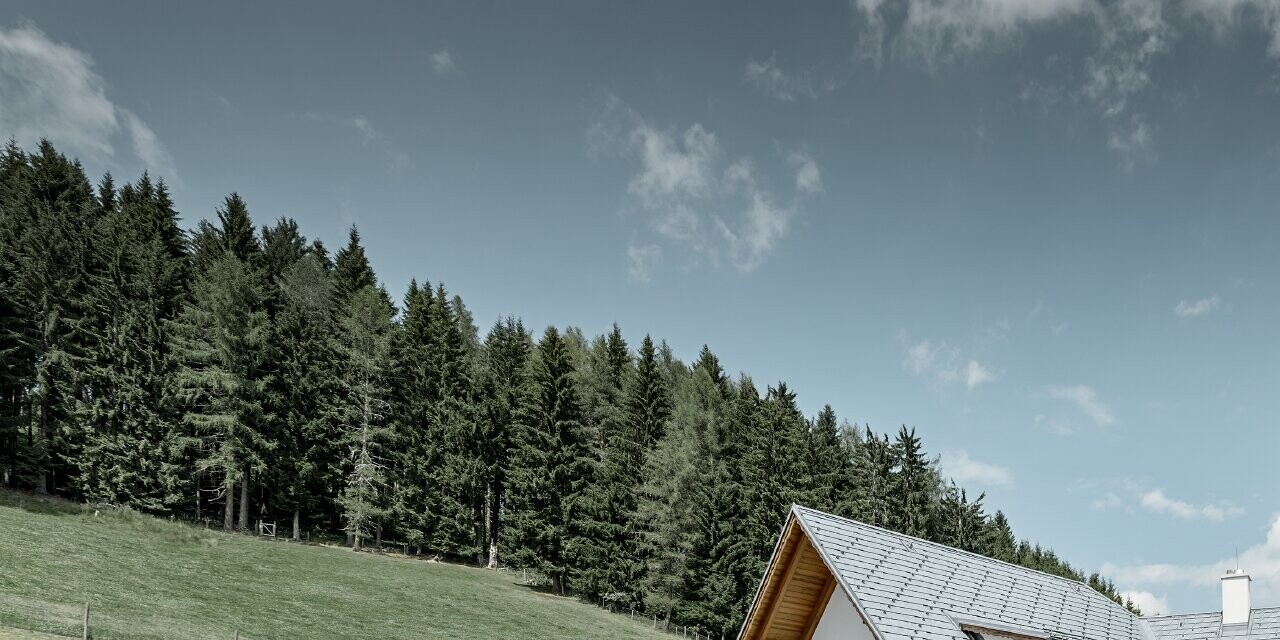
[151,578]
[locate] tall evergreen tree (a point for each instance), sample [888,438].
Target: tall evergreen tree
[135,289]
[352,271]
[506,364]
[308,389]
[220,340]
[365,343]
[551,467]
[911,484]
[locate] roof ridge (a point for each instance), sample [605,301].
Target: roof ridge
[1184,615]
[969,553]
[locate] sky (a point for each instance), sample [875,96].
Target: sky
[1041,232]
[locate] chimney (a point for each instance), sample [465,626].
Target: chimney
[1235,597]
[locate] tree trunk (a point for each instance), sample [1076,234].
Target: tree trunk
[228,522]
[377,539]
[495,500]
[197,496]
[244,501]
[48,448]
[296,519]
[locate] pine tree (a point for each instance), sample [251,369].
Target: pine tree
[910,486]
[551,467]
[873,474]
[506,362]
[352,271]
[828,462]
[220,340]
[135,289]
[308,386]
[49,222]
[365,344]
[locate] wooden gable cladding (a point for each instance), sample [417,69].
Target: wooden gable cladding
[795,592]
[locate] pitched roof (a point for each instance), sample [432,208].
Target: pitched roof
[912,589]
[1264,624]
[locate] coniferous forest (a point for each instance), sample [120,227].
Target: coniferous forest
[237,373]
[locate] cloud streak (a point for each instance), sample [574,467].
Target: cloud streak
[1086,400]
[50,90]
[960,467]
[1195,308]
[1156,501]
[944,363]
[693,196]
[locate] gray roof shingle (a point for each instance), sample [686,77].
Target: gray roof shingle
[913,589]
[1264,624]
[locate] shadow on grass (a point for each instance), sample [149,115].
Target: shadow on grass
[41,504]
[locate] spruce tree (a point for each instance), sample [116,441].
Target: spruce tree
[220,341]
[506,356]
[309,388]
[551,467]
[365,346]
[135,289]
[352,271]
[910,486]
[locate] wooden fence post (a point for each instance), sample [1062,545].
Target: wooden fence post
[237,634]
[86,620]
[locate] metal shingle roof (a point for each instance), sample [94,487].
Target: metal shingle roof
[913,589]
[1264,624]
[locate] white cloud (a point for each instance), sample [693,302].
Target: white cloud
[50,90]
[976,374]
[689,194]
[768,77]
[1086,400]
[1261,560]
[673,168]
[370,136]
[1107,502]
[1191,309]
[642,259]
[1148,603]
[442,61]
[936,31]
[1157,502]
[960,467]
[1129,34]
[1054,425]
[944,362]
[808,175]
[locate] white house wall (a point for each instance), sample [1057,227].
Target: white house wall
[841,621]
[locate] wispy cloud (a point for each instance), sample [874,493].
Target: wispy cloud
[443,62]
[958,466]
[1149,603]
[976,374]
[642,260]
[944,362]
[1106,502]
[370,136]
[50,90]
[692,195]
[1129,35]
[1193,308]
[1086,400]
[768,77]
[1262,560]
[1156,501]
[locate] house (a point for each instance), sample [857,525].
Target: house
[832,577]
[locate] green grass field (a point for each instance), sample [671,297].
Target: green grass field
[150,578]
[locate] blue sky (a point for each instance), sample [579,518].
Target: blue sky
[1043,232]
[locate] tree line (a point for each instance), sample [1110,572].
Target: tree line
[238,373]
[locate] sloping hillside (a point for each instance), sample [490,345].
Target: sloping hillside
[149,578]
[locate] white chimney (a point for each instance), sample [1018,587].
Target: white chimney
[1235,597]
